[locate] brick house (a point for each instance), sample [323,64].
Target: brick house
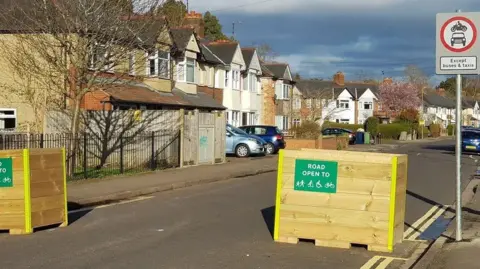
[277,88]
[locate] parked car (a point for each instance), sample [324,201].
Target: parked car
[271,134]
[471,141]
[242,144]
[339,132]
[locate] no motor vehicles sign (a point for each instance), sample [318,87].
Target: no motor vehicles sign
[457,48]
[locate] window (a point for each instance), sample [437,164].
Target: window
[158,64]
[190,70]
[252,82]
[227,73]
[345,121]
[235,118]
[282,122]
[131,64]
[318,103]
[297,103]
[296,122]
[367,105]
[8,119]
[100,59]
[235,79]
[343,104]
[308,103]
[286,91]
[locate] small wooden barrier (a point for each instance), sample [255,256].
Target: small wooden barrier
[32,189]
[340,198]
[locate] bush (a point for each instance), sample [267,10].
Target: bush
[371,126]
[307,130]
[450,129]
[425,130]
[352,127]
[435,130]
[393,130]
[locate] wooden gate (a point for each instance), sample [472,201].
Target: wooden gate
[206,142]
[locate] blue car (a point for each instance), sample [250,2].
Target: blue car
[471,140]
[271,134]
[242,144]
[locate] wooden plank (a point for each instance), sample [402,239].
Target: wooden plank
[45,151]
[12,207]
[47,203]
[337,155]
[336,217]
[351,185]
[48,217]
[12,221]
[17,163]
[43,175]
[47,161]
[360,202]
[352,169]
[47,188]
[18,179]
[11,153]
[332,244]
[298,229]
[15,193]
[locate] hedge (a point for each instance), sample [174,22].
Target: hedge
[450,129]
[392,130]
[352,127]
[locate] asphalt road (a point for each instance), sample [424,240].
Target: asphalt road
[221,225]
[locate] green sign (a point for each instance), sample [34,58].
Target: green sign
[316,176]
[6,172]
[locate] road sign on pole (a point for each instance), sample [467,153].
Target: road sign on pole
[457,53]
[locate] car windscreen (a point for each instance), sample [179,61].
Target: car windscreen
[458,35]
[471,135]
[236,130]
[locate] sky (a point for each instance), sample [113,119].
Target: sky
[362,38]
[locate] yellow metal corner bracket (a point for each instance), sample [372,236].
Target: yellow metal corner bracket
[277,198]
[393,198]
[28,198]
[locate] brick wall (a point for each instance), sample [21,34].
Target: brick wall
[215,93]
[330,143]
[269,107]
[96,100]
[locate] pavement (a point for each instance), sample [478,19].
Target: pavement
[462,254]
[95,192]
[225,224]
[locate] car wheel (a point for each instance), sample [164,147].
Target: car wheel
[270,149]
[242,151]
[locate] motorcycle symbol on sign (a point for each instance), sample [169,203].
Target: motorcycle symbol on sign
[459,27]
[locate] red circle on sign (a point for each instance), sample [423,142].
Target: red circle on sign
[469,46]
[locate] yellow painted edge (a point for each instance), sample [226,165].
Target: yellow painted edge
[27,193]
[64,164]
[391,218]
[277,198]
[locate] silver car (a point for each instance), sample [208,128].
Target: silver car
[242,144]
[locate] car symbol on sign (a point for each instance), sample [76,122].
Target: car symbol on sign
[458,38]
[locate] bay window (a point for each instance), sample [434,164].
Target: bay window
[186,70]
[236,79]
[158,64]
[252,82]
[286,91]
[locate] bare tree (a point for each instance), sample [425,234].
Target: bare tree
[265,52]
[65,48]
[416,76]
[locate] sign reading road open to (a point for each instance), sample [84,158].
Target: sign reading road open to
[315,176]
[457,48]
[6,172]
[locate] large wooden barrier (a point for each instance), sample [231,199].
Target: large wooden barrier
[340,198]
[32,189]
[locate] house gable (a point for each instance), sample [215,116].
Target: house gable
[193,44]
[368,94]
[345,94]
[255,63]
[287,75]
[238,58]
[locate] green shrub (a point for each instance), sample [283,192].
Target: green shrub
[307,130]
[352,127]
[371,126]
[425,130]
[450,129]
[435,129]
[393,130]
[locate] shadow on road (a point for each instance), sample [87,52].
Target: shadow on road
[448,148]
[269,218]
[73,217]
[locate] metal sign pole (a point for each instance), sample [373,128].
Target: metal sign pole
[459,158]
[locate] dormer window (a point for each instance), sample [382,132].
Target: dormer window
[158,64]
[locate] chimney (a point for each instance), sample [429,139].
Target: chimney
[339,78]
[196,21]
[388,80]
[441,92]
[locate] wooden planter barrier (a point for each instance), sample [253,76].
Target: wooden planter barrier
[32,189]
[340,198]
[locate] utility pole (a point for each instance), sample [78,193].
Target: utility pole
[233,27]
